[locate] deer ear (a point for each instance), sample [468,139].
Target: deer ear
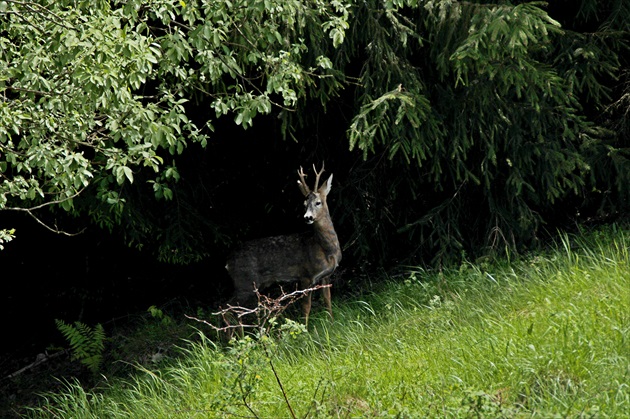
[325,188]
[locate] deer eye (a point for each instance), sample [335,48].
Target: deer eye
[318,203]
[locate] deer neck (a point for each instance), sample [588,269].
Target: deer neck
[326,236]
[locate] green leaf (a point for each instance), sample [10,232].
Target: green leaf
[122,173]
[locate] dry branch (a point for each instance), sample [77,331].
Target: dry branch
[265,309]
[40,359]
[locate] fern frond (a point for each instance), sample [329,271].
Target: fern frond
[86,343]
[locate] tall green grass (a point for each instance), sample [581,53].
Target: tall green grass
[544,336]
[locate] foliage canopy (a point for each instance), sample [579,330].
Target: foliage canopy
[469,125]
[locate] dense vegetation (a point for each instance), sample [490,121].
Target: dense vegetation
[456,130]
[453,126]
[544,336]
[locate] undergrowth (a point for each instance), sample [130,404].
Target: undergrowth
[543,336]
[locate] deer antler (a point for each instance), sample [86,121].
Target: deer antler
[302,183]
[318,174]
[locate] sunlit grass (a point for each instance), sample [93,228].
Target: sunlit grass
[545,336]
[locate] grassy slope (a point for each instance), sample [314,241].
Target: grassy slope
[545,336]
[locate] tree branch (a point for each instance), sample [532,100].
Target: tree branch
[40,359]
[266,308]
[55,230]
[31,6]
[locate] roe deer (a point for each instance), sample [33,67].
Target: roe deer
[308,258]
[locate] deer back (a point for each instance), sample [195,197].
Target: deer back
[280,259]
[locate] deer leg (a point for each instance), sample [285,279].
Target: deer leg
[306,301]
[306,307]
[244,294]
[327,298]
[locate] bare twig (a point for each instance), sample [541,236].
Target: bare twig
[45,204]
[275,374]
[244,395]
[41,10]
[40,359]
[266,308]
[30,211]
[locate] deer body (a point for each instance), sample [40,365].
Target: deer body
[308,258]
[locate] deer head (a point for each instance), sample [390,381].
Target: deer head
[315,204]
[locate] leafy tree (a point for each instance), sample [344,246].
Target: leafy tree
[469,125]
[101,104]
[490,117]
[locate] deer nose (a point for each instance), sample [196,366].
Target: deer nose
[308,218]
